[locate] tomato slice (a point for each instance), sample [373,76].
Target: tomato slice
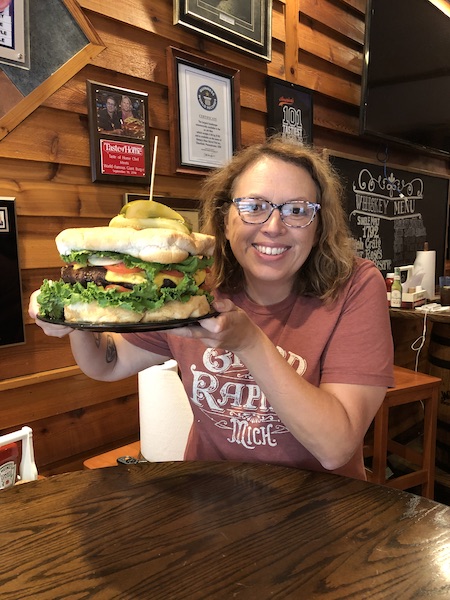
[122,269]
[173,273]
[117,287]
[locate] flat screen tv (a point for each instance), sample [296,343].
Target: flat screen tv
[406,77]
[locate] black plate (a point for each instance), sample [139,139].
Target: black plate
[129,327]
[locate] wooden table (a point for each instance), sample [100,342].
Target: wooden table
[218,531]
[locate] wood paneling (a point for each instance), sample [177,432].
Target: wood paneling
[45,165]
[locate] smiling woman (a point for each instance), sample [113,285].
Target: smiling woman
[297,362]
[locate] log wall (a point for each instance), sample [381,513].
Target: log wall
[44,164]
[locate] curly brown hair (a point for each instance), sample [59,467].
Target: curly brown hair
[332,259]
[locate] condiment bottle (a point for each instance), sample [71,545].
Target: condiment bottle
[396,290]
[9,460]
[389,282]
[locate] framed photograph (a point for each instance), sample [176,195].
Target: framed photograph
[245,26]
[12,329]
[119,134]
[14,33]
[289,110]
[204,109]
[189,208]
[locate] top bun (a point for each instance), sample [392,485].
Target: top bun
[150,245]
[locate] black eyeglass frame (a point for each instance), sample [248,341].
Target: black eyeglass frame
[314,205]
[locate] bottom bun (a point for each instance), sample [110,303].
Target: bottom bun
[197,306]
[90,312]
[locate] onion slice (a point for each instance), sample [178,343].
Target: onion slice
[102,261]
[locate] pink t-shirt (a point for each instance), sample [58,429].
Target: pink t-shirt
[349,341]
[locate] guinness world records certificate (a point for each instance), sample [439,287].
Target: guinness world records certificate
[206,117]
[204,111]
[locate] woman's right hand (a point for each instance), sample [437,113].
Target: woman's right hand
[48,328]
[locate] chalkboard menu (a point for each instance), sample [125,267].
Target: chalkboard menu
[392,212]
[11,316]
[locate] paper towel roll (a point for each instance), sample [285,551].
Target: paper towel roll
[165,415]
[426,262]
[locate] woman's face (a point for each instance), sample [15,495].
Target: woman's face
[271,253]
[125,104]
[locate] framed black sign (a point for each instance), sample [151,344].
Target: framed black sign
[119,134]
[289,110]
[11,315]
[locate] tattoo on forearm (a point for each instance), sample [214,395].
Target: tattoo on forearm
[111,352]
[97,338]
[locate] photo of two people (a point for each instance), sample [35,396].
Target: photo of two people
[120,114]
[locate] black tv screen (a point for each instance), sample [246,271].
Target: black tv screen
[406,78]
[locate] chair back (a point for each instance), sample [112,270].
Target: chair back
[27,466]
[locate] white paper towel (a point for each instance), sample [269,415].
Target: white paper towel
[425,264]
[165,415]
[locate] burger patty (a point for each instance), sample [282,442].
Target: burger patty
[84,275]
[97,275]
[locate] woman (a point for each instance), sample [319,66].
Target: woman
[126,109]
[296,365]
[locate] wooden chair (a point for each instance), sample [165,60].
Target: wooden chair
[109,459]
[410,386]
[27,466]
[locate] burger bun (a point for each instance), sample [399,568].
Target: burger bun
[82,312]
[151,245]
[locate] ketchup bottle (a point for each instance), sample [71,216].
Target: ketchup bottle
[389,282]
[9,463]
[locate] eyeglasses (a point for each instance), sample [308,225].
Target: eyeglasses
[256,211]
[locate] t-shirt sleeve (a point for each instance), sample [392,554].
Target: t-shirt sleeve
[364,322]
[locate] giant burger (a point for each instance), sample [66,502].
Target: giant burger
[145,266]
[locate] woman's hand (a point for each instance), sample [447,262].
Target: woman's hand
[48,328]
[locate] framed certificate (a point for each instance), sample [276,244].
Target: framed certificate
[204,112]
[14,33]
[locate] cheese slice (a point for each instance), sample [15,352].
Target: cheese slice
[133,278]
[200,276]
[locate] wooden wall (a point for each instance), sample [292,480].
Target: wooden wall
[44,164]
